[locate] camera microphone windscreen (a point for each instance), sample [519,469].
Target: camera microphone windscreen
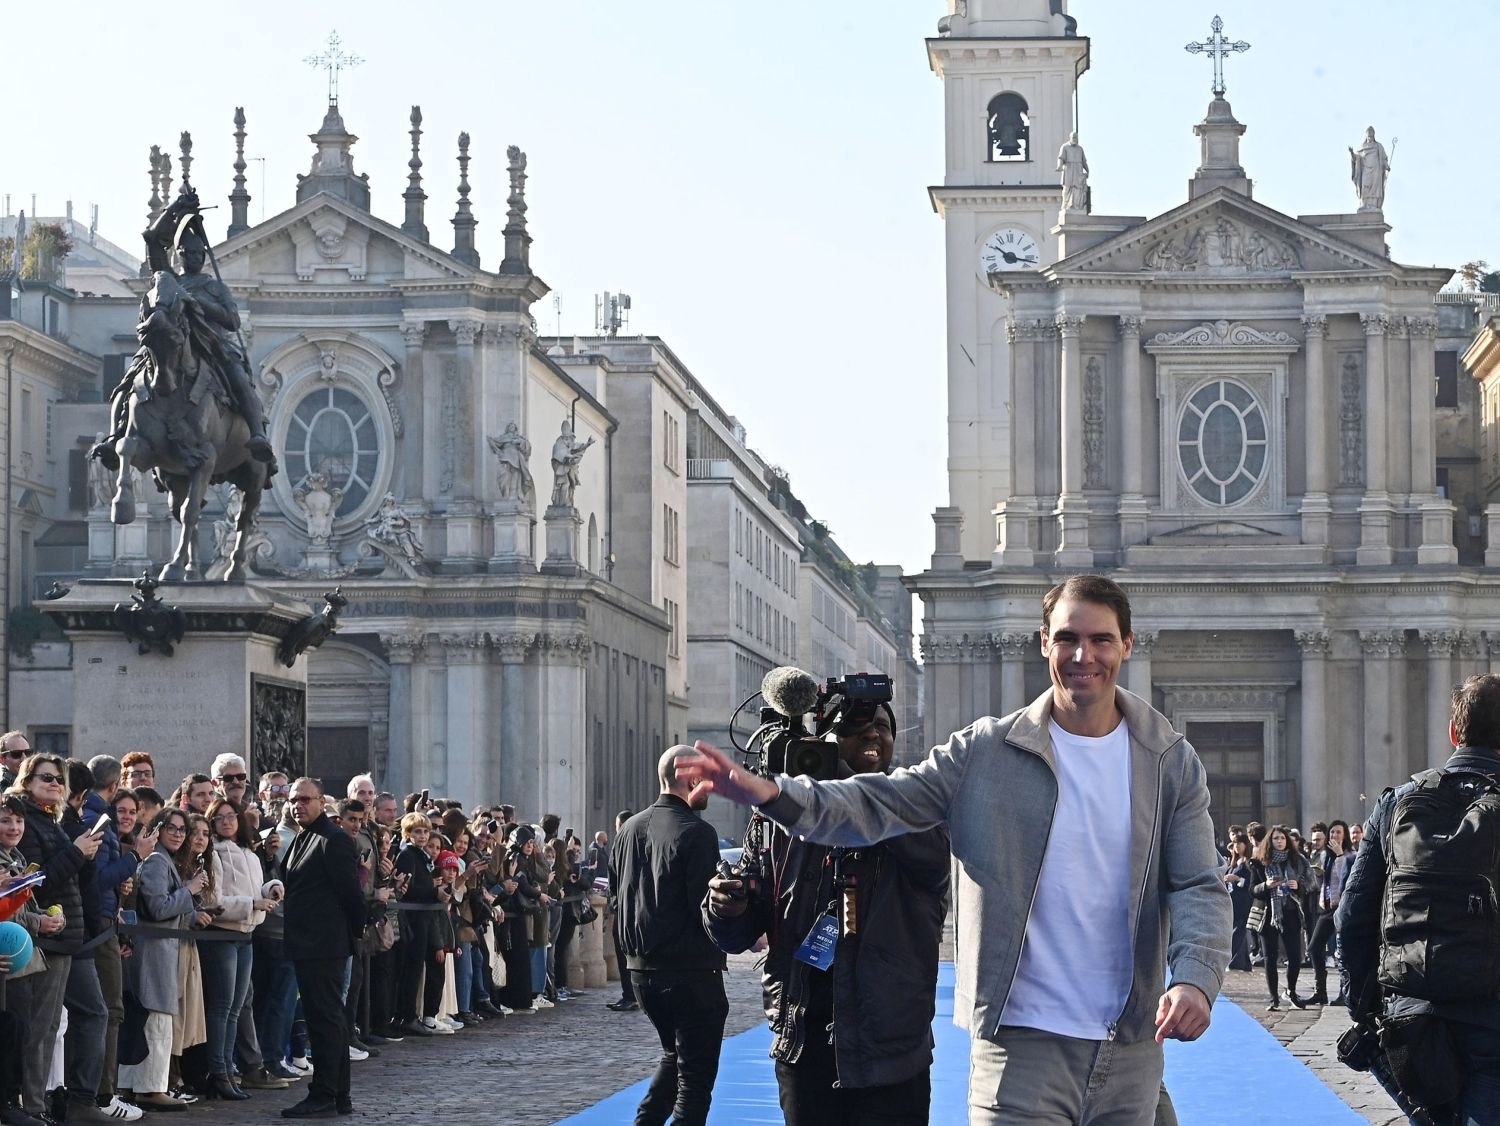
[790,691]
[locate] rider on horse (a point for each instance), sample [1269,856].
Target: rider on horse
[182,224]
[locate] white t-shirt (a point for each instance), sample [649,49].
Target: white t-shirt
[1076,961]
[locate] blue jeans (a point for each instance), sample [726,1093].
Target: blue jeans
[278,1007]
[538,970]
[226,983]
[463,977]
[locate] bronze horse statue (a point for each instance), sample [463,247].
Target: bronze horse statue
[182,426]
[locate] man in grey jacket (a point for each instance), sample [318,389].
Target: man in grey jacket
[1063,937]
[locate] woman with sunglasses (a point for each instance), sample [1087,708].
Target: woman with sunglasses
[42,786]
[164,898]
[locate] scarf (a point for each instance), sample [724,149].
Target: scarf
[1279,867]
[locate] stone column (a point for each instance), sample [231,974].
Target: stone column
[1072,509]
[1471,657]
[401,650]
[940,659]
[1133,446]
[1015,517]
[1316,509]
[1138,668]
[1013,649]
[1440,648]
[980,650]
[561,753]
[1437,545]
[1319,756]
[465,522]
[1375,547]
[470,767]
[1383,757]
[409,481]
[512,751]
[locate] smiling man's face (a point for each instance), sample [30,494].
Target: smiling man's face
[869,750]
[1084,652]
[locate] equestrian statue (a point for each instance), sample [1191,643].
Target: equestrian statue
[186,410]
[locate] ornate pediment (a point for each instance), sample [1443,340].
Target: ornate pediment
[1222,235]
[1223,334]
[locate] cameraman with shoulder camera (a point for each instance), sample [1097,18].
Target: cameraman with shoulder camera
[852,1026]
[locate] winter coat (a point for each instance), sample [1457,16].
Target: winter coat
[883,982]
[239,882]
[113,864]
[45,844]
[1263,912]
[162,900]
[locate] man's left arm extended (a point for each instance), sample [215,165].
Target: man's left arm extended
[1198,905]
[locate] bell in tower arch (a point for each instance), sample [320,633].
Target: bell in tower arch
[1009,127]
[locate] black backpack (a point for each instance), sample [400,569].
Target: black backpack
[1439,920]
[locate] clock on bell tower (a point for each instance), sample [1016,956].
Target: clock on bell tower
[1010,71]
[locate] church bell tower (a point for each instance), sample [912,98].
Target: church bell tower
[1010,72]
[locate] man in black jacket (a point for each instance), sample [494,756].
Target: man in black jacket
[1473,1025]
[325,913]
[659,868]
[853,1042]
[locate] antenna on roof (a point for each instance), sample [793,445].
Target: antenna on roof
[557,308]
[611,313]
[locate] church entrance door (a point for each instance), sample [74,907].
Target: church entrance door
[1233,754]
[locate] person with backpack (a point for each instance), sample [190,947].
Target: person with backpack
[1419,929]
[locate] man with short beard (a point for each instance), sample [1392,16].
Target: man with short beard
[231,778]
[659,870]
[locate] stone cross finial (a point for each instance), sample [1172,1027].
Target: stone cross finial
[239,198]
[416,199]
[1218,48]
[153,208]
[166,178]
[333,60]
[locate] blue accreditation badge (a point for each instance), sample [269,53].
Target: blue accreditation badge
[818,947]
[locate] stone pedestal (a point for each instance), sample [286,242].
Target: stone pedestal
[588,944]
[512,527]
[130,556]
[464,524]
[563,524]
[1375,549]
[320,559]
[222,689]
[1437,534]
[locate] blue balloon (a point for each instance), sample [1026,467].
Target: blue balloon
[15,943]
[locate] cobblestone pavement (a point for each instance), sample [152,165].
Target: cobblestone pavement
[522,1070]
[1310,1035]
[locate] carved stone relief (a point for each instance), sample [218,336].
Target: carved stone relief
[1222,334]
[1222,245]
[278,728]
[1351,423]
[1093,424]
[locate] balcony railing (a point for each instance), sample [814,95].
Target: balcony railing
[709,469]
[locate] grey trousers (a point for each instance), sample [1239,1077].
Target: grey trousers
[88,1024]
[1026,1076]
[42,1007]
[112,985]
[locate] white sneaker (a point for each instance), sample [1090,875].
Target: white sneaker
[119,1108]
[357,1054]
[542,1003]
[530,1010]
[451,1022]
[299,1064]
[436,1027]
[505,1010]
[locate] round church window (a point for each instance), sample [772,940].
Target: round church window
[333,433]
[1221,442]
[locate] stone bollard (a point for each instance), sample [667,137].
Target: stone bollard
[576,954]
[607,934]
[595,975]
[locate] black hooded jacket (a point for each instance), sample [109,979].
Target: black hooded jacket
[659,869]
[882,987]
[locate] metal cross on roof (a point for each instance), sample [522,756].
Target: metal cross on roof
[1218,48]
[333,60]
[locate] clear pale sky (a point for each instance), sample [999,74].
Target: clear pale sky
[753,175]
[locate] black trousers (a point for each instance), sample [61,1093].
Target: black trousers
[412,952]
[382,990]
[688,1008]
[809,1097]
[627,990]
[321,983]
[1291,934]
[1324,935]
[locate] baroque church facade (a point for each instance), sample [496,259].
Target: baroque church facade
[1229,410]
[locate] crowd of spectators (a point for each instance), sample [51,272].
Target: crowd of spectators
[157,975]
[1285,888]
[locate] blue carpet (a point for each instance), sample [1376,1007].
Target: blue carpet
[1226,1073]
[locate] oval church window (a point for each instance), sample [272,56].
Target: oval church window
[332,432]
[1221,442]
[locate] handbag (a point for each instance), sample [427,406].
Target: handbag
[584,912]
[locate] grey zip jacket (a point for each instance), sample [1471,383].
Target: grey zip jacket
[995,784]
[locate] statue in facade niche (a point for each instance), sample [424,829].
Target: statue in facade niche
[319,503]
[1074,167]
[514,453]
[1368,167]
[567,452]
[392,528]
